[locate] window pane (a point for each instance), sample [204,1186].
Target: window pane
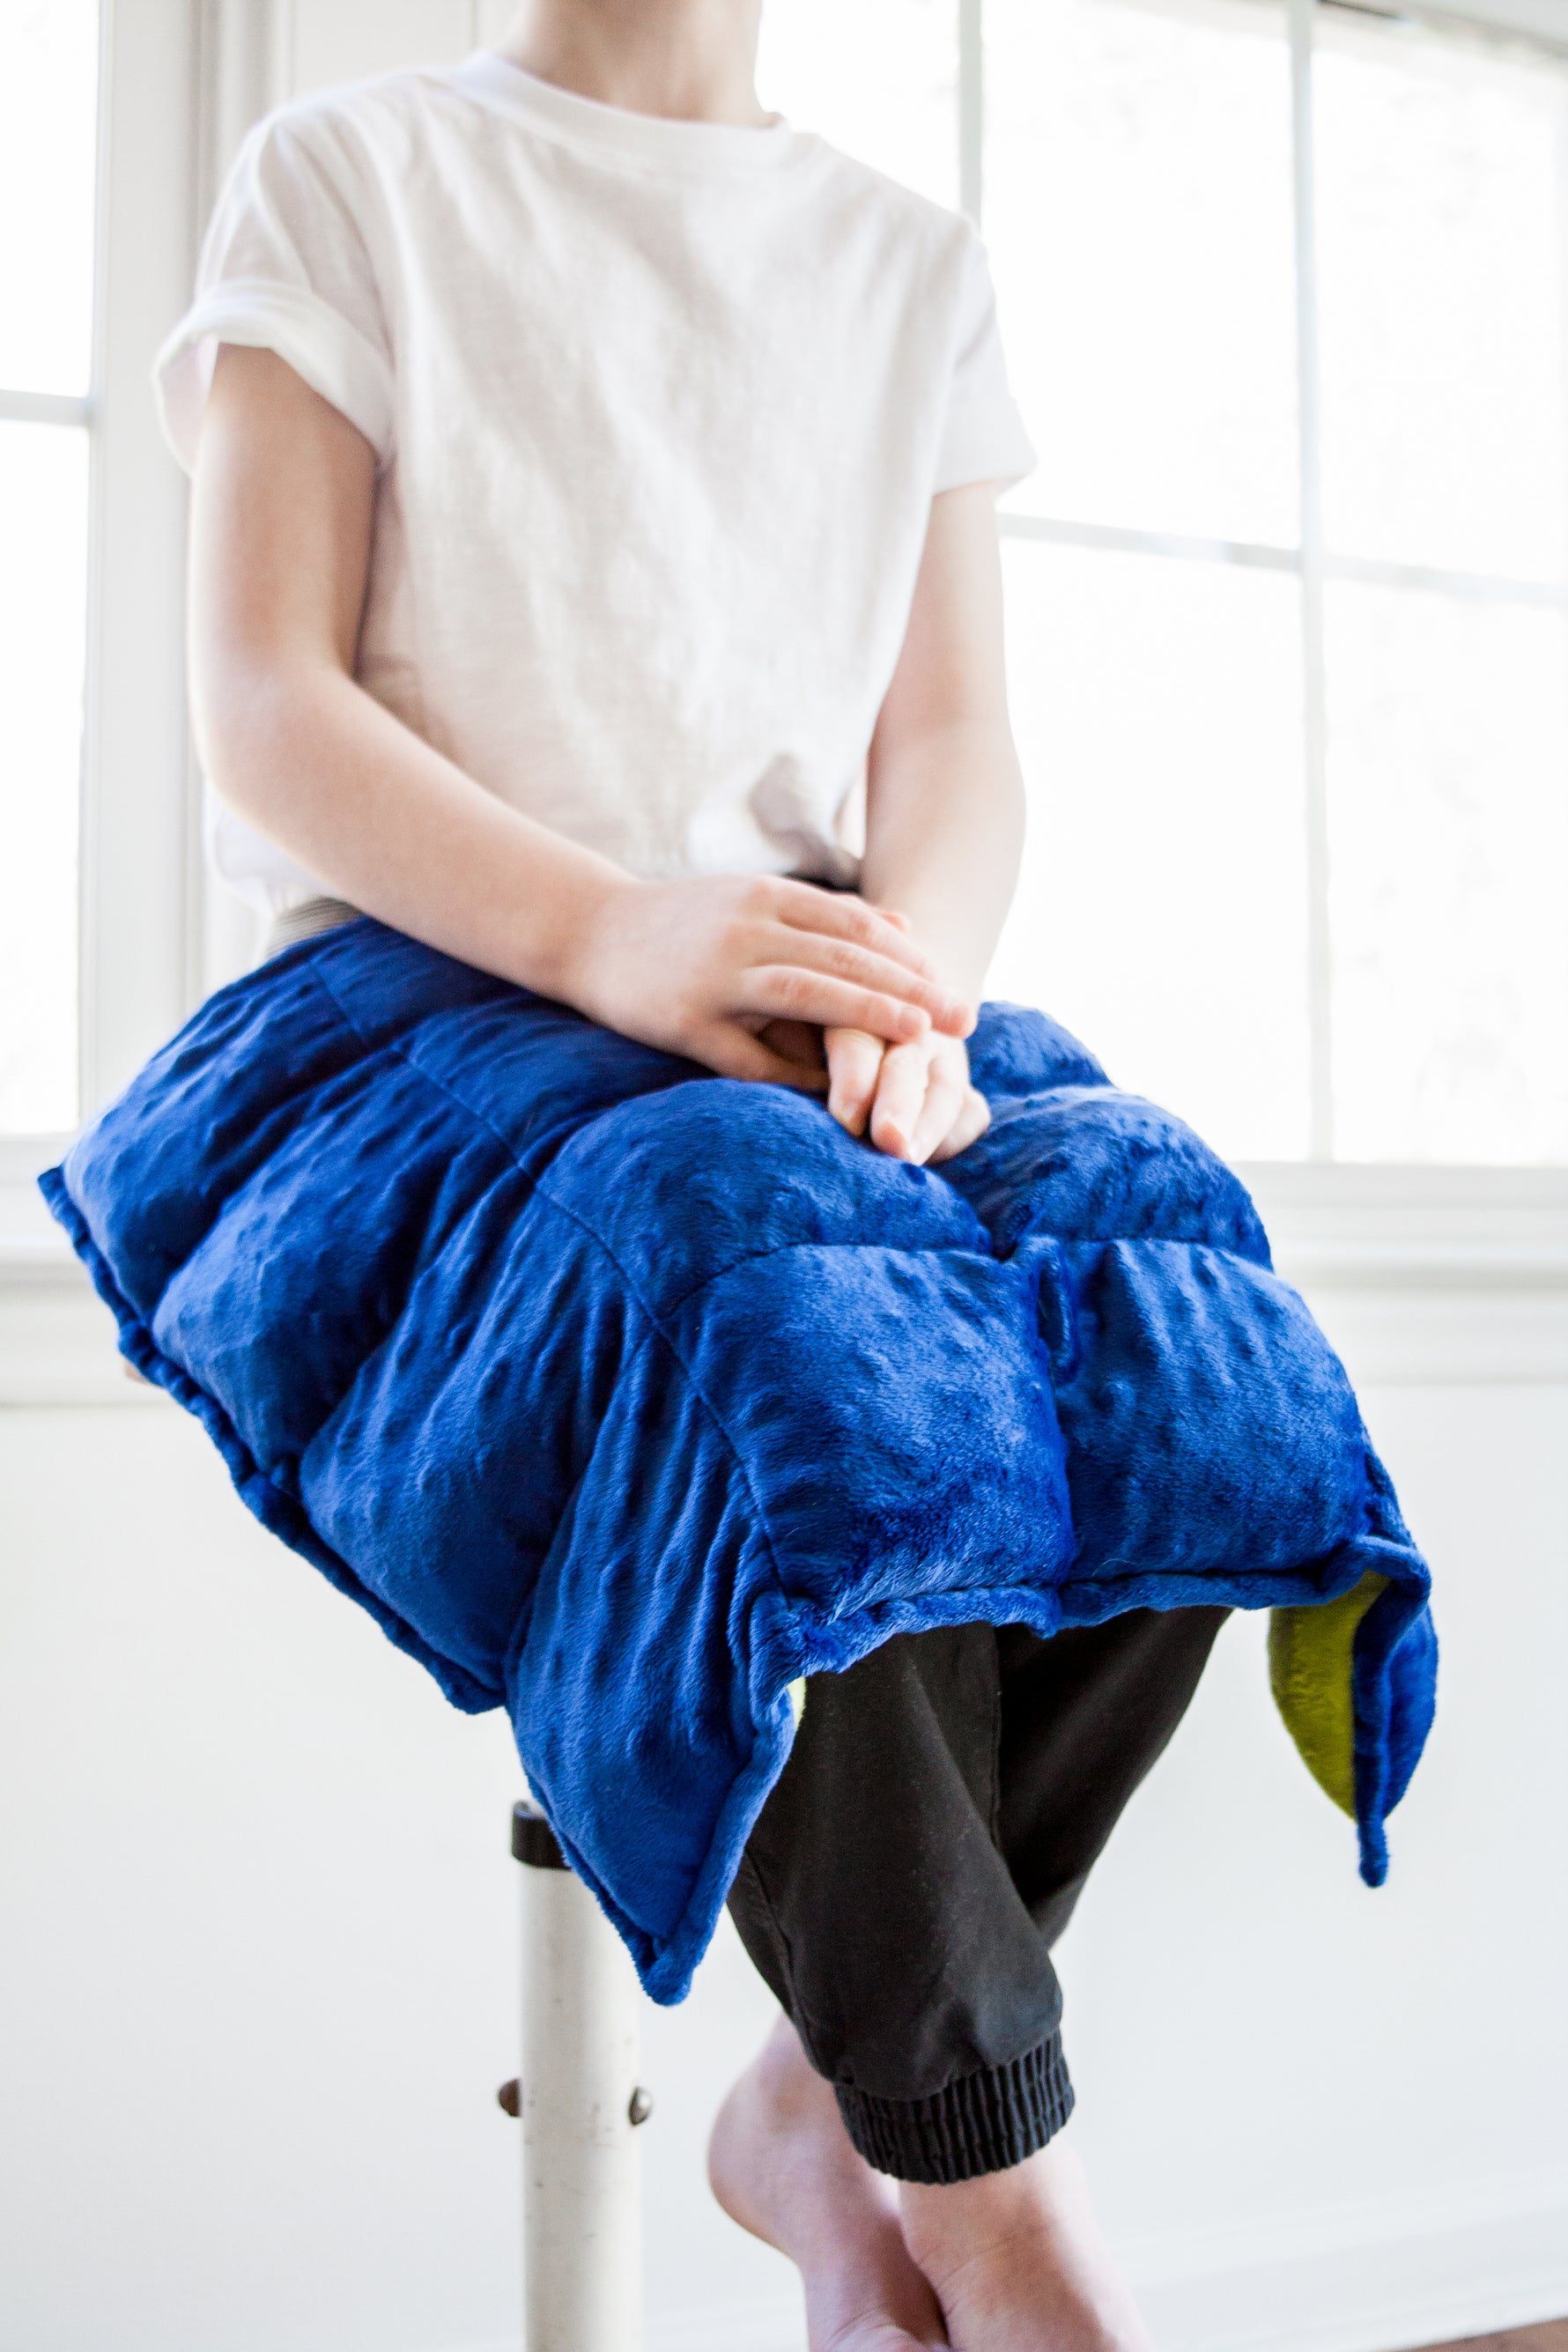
[1161,914]
[1448,813]
[43,601]
[879,79]
[1442,250]
[48,111]
[1138,208]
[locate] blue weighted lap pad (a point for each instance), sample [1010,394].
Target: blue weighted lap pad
[624,1396]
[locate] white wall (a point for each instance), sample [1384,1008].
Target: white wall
[257,1956]
[257,1946]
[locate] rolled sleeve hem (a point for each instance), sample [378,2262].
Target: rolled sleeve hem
[983,441]
[323,348]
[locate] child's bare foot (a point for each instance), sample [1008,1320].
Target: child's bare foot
[1017,2262]
[781,2165]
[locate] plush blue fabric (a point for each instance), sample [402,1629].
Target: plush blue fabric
[623,1395]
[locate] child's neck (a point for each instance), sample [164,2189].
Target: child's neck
[689,61]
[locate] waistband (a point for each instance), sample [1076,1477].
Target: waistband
[302,922]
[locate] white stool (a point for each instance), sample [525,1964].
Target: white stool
[580,2104]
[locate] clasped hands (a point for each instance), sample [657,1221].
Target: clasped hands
[757,976]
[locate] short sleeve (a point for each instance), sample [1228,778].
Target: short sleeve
[982,437]
[284,268]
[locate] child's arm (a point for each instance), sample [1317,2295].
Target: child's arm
[945,829]
[281,545]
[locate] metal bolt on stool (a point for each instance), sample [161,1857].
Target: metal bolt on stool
[580,2103]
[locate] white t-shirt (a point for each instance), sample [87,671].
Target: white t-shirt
[659,408]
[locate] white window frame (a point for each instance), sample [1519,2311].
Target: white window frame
[1310,559]
[180,81]
[136,875]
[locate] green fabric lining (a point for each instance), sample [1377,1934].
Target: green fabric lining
[1309,1655]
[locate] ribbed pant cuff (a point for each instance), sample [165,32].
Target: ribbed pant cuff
[982,2123]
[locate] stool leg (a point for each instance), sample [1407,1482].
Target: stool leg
[581,2215]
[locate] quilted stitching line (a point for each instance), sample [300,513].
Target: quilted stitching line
[657,1328]
[633,1289]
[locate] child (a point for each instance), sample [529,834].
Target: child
[593,539]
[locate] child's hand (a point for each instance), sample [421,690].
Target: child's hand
[707,968]
[915,1099]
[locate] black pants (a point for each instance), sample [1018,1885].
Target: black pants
[923,1848]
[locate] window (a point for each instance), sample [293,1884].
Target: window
[1283,285]
[1284,288]
[102,922]
[49,113]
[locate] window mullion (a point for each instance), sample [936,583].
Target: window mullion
[62,408]
[134,844]
[970,108]
[1320,991]
[1121,540]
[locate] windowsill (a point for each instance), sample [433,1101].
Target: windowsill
[1348,1225]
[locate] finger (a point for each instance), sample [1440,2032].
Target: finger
[971,1124]
[901,1096]
[843,914]
[854,1059]
[793,993]
[797,1041]
[815,951]
[734,1052]
[942,1105]
[901,923]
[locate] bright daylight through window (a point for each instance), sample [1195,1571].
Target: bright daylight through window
[48,107]
[1289,640]
[1284,289]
